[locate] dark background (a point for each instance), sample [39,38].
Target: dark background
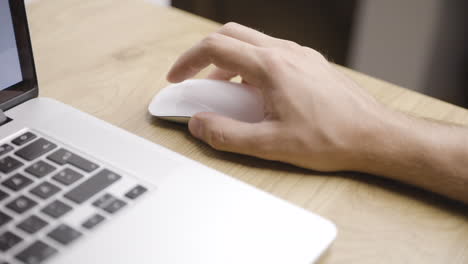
[330,25]
[297,20]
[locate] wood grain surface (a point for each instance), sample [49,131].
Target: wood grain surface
[109,58]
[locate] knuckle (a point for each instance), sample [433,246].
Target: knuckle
[210,41]
[274,56]
[274,59]
[217,139]
[291,44]
[229,27]
[315,53]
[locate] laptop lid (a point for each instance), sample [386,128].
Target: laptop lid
[18,82]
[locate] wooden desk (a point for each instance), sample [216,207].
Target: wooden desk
[109,57]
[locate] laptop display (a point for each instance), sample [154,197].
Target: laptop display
[17,73]
[10,69]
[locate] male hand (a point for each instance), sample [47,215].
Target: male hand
[315,116]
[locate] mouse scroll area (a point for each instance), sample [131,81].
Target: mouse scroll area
[179,102]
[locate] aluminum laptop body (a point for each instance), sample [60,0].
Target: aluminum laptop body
[75,189]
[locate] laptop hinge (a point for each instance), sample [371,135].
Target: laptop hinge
[3,118]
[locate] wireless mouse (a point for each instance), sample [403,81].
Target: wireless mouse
[178,102]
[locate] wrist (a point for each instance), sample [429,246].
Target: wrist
[418,152]
[391,140]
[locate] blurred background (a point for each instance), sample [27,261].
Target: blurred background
[417,44]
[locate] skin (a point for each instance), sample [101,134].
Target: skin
[317,118]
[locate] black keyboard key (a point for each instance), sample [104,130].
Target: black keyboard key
[45,190]
[136,192]
[5,148]
[109,203]
[9,164]
[32,224]
[56,209]
[36,253]
[64,234]
[8,240]
[21,204]
[4,218]
[26,137]
[104,201]
[93,221]
[17,182]
[3,195]
[36,149]
[67,176]
[115,206]
[92,186]
[40,169]
[63,156]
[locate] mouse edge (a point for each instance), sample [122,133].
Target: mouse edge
[177,119]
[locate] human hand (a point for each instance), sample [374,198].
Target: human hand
[315,116]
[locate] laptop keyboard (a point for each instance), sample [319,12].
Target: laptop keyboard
[41,183]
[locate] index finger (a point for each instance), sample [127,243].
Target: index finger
[249,35]
[223,51]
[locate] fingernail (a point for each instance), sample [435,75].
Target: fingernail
[196,127]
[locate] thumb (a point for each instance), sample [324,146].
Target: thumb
[226,134]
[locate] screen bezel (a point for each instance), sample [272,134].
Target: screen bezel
[27,88]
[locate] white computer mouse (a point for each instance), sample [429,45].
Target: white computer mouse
[178,102]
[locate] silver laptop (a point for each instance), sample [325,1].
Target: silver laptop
[74,189]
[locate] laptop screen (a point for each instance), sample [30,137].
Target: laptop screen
[10,69]
[18,82]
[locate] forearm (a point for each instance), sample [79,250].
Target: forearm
[419,152]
